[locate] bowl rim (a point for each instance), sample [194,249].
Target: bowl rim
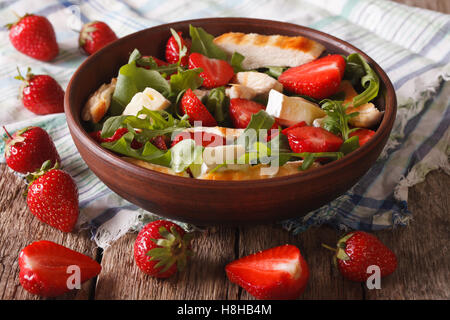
[384,128]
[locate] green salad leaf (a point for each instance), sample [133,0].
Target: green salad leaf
[202,42]
[369,80]
[257,128]
[184,80]
[349,145]
[217,104]
[148,152]
[336,120]
[186,154]
[275,72]
[236,62]
[131,80]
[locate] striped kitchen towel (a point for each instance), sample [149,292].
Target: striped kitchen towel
[411,44]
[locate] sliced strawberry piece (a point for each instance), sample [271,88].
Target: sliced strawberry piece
[298,125]
[312,139]
[173,52]
[277,273]
[241,111]
[215,73]
[159,142]
[194,108]
[201,138]
[44,268]
[318,79]
[364,135]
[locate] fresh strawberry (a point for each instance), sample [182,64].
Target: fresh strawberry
[34,36]
[278,273]
[297,125]
[364,135]
[358,250]
[195,109]
[45,268]
[202,138]
[215,73]
[318,79]
[41,94]
[312,139]
[94,36]
[162,248]
[97,135]
[241,111]
[27,149]
[173,51]
[53,197]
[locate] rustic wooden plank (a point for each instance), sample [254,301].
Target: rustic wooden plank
[422,248]
[436,5]
[18,228]
[204,278]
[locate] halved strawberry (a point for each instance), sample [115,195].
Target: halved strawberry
[173,52]
[201,138]
[364,135]
[277,273]
[297,125]
[194,108]
[45,268]
[215,73]
[318,79]
[241,111]
[312,139]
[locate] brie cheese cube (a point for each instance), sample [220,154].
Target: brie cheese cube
[149,98]
[260,82]
[292,110]
[240,91]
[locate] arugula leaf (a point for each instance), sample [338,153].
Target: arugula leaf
[336,120]
[350,145]
[309,157]
[134,56]
[185,79]
[236,62]
[132,80]
[369,81]
[275,72]
[202,42]
[148,152]
[217,104]
[111,125]
[259,121]
[149,62]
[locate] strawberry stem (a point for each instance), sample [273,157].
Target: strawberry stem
[328,247]
[7,133]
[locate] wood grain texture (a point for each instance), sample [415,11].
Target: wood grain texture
[19,228]
[422,249]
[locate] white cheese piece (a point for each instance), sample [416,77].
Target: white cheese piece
[149,98]
[318,122]
[260,82]
[292,110]
[240,91]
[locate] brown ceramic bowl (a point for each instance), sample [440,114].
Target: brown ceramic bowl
[206,202]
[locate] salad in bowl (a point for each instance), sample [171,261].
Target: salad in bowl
[235,107]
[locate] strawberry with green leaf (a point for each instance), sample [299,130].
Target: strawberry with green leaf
[53,197]
[358,250]
[41,94]
[94,36]
[27,149]
[177,49]
[162,248]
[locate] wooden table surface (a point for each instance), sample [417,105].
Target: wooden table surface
[422,250]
